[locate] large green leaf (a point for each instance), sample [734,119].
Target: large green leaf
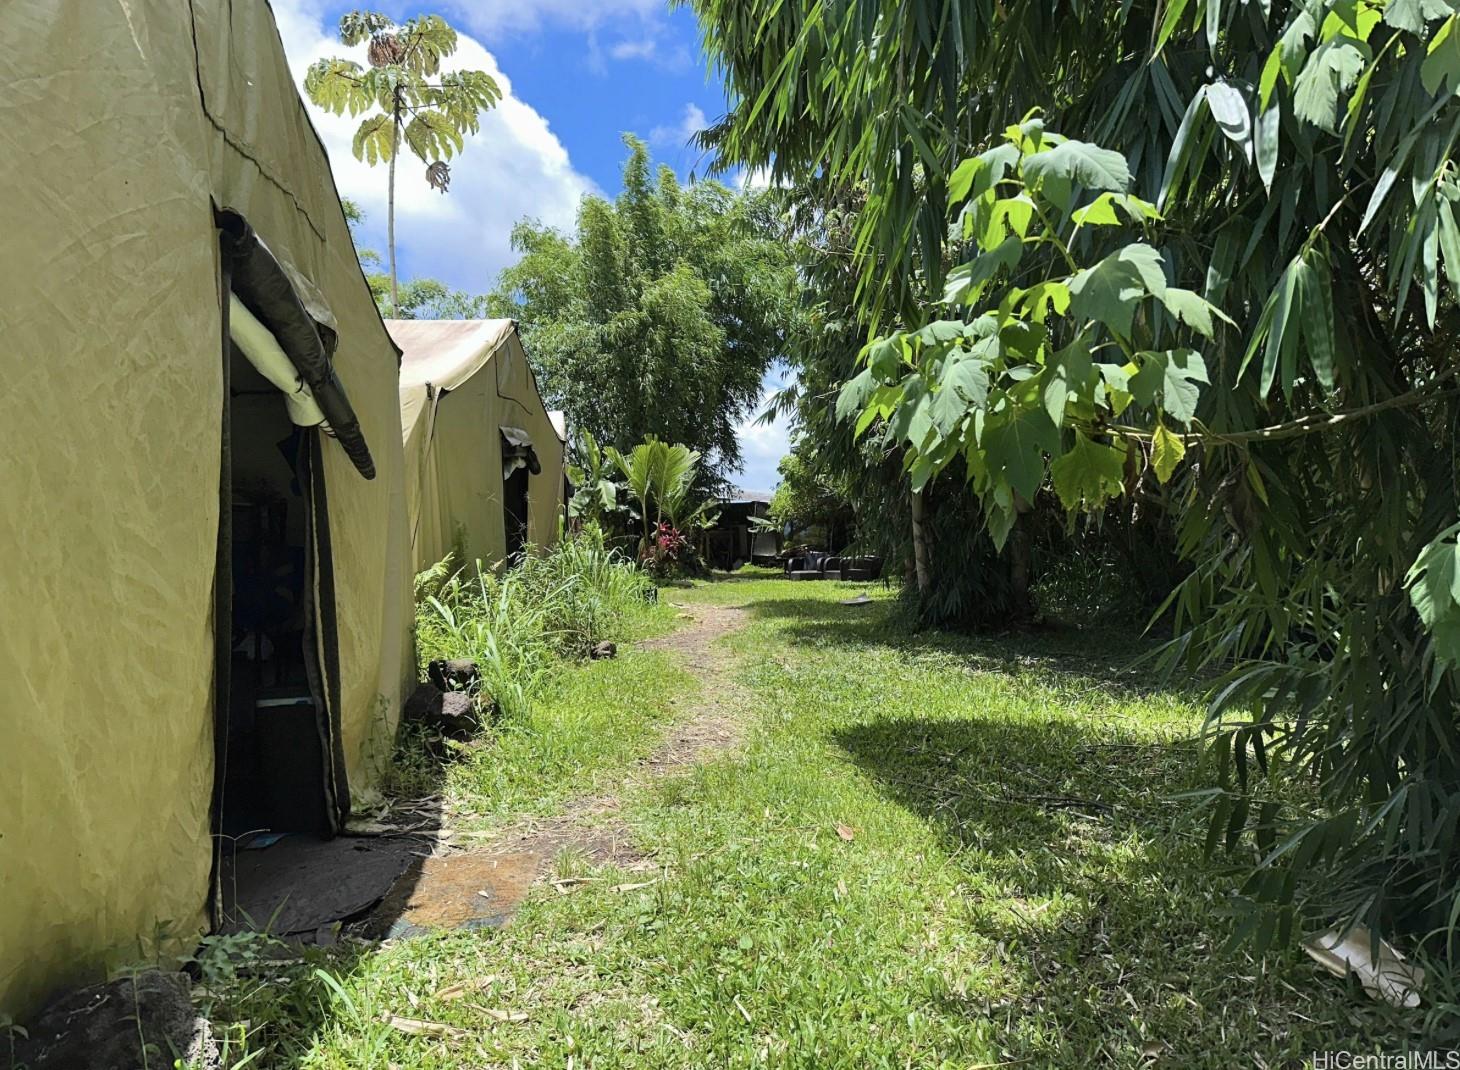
[853,395]
[1413,15]
[1069,375]
[1434,591]
[433,135]
[337,86]
[964,385]
[1080,163]
[1441,67]
[967,281]
[1016,447]
[1167,449]
[1090,472]
[1330,72]
[979,174]
[1102,210]
[1190,308]
[374,140]
[1172,379]
[1110,291]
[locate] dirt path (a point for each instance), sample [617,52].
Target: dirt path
[484,885]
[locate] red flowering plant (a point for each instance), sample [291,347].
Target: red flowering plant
[667,551]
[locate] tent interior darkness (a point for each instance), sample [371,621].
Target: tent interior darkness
[273,760]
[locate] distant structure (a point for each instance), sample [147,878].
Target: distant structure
[735,540]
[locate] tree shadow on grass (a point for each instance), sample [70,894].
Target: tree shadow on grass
[1086,877]
[1041,802]
[1116,657]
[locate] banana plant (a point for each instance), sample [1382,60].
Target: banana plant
[594,492]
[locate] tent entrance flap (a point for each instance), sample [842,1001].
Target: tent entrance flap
[263,351]
[263,286]
[517,452]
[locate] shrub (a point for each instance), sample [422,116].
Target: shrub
[518,623]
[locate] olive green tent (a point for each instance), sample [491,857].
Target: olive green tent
[483,458]
[206,587]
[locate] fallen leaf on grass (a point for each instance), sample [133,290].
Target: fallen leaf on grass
[741,1008]
[633,887]
[564,885]
[846,832]
[417,1027]
[498,1015]
[461,988]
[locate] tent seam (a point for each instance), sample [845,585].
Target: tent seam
[243,148]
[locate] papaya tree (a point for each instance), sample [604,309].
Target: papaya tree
[408,98]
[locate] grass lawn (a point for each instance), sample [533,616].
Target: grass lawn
[931,852]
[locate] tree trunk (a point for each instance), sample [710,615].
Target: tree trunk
[920,543]
[1019,569]
[390,210]
[1021,563]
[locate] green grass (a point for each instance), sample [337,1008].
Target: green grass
[589,722]
[1019,887]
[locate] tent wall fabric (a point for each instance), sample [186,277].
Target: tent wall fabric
[464,384]
[123,127]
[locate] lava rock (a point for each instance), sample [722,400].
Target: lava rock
[452,713]
[454,674]
[144,1020]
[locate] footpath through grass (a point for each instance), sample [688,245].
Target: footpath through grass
[930,852]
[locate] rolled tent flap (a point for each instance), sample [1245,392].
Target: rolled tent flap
[517,452]
[262,349]
[262,285]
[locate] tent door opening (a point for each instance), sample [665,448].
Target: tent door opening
[274,754]
[519,464]
[514,511]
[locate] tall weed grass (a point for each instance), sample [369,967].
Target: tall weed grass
[519,624]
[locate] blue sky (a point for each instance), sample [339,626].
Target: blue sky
[578,75]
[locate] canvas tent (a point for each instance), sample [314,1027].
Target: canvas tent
[172,529]
[483,458]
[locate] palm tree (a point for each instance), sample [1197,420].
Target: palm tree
[640,470]
[431,110]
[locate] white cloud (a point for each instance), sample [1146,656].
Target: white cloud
[762,445]
[640,49]
[678,135]
[494,18]
[757,179]
[514,167]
